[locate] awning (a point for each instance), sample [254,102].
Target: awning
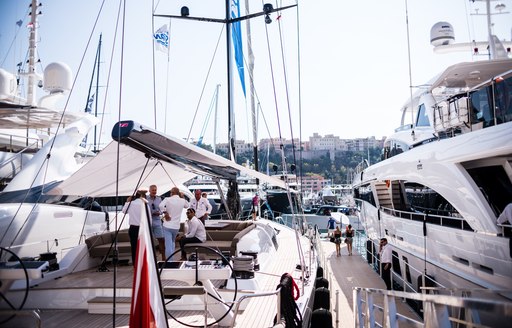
[172,162]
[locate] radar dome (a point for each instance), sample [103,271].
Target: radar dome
[441,34]
[57,78]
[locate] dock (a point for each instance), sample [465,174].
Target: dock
[346,272]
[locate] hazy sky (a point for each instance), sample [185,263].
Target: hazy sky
[353,61]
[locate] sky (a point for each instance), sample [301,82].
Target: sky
[353,68]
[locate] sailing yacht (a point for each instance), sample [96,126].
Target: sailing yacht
[240,276]
[445,179]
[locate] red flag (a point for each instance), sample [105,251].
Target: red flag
[147,308]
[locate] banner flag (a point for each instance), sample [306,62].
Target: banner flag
[147,308]
[88,110]
[161,39]
[236,33]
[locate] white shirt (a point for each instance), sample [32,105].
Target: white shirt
[506,215]
[134,211]
[195,228]
[173,205]
[385,254]
[201,206]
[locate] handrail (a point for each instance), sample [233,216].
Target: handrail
[34,143]
[456,222]
[437,309]
[394,276]
[243,297]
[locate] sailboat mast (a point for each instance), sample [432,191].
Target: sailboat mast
[231,114]
[31,94]
[215,119]
[98,56]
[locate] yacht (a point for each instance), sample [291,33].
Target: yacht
[32,161]
[247,273]
[444,179]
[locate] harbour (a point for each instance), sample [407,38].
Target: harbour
[152,229]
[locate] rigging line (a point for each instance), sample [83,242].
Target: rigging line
[208,115]
[14,39]
[273,83]
[123,26]
[409,60]
[469,24]
[153,62]
[167,80]
[287,92]
[109,72]
[300,97]
[205,81]
[168,175]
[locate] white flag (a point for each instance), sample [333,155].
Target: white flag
[161,39]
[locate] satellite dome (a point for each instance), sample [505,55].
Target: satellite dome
[441,34]
[57,78]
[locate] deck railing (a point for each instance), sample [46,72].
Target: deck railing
[437,309]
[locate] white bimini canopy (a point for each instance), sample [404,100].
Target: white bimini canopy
[148,157]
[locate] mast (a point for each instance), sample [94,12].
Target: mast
[98,56]
[231,114]
[32,49]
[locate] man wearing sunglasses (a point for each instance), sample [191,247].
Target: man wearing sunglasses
[156,223]
[195,232]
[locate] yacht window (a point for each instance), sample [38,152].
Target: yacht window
[426,200]
[422,118]
[494,184]
[407,271]
[396,263]
[364,193]
[503,100]
[481,107]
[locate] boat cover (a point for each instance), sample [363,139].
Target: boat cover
[172,162]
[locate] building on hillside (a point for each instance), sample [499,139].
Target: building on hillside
[363,144]
[329,142]
[240,147]
[314,182]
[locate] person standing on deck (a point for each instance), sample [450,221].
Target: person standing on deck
[255,206]
[172,207]
[331,223]
[385,261]
[349,234]
[201,206]
[133,207]
[337,240]
[156,222]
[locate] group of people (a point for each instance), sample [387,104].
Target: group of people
[334,232]
[385,254]
[166,218]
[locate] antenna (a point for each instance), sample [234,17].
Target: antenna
[410,69]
